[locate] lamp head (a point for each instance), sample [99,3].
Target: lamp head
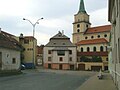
[24,19]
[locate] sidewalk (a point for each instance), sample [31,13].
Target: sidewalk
[95,84]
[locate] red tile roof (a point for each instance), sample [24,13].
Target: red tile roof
[92,41]
[98,29]
[92,53]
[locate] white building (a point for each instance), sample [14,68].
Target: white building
[9,53]
[114,48]
[60,53]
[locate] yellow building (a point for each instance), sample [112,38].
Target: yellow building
[91,42]
[29,55]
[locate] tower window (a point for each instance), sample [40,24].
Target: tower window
[87,26]
[78,25]
[78,30]
[86,37]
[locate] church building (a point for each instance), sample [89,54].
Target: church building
[91,42]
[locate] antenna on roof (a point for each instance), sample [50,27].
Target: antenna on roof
[62,32]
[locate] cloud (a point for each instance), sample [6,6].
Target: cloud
[58,15]
[99,17]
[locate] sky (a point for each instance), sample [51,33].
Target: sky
[58,15]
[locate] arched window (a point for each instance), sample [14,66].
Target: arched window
[81,49]
[78,30]
[101,49]
[78,25]
[94,49]
[88,49]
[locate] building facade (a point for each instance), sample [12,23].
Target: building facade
[30,50]
[114,48]
[39,61]
[91,42]
[10,51]
[60,53]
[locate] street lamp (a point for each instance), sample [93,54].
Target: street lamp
[33,24]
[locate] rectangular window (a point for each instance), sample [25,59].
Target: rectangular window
[26,41]
[61,59]
[70,52]
[70,59]
[13,60]
[49,51]
[49,58]
[61,53]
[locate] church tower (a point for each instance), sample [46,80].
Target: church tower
[81,23]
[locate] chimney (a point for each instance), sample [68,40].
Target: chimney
[21,35]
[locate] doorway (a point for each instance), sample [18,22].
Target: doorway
[71,67]
[60,67]
[49,66]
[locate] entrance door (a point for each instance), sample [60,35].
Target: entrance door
[60,67]
[49,66]
[0,60]
[96,68]
[71,67]
[81,67]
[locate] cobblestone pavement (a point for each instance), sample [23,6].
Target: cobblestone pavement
[94,83]
[41,79]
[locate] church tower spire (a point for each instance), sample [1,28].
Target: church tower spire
[82,7]
[81,23]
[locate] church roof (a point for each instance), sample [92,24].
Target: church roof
[82,7]
[99,29]
[92,41]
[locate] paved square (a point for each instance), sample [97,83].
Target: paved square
[45,80]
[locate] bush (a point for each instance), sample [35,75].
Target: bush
[93,59]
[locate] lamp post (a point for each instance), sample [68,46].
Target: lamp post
[33,24]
